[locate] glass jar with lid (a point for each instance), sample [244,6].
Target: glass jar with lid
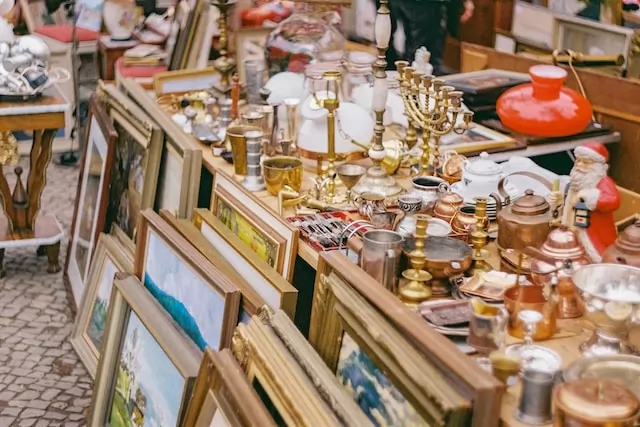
[357,73]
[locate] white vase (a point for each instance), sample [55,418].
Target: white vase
[119,18]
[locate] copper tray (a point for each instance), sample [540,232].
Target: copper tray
[623,369]
[453,313]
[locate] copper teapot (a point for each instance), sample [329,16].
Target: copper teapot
[447,206]
[562,248]
[626,249]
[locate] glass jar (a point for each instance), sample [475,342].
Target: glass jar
[357,71]
[302,39]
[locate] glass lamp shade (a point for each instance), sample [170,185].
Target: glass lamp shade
[285,85]
[544,107]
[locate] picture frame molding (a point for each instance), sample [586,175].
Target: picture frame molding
[171,77]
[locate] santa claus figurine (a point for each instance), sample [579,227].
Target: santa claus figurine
[599,194]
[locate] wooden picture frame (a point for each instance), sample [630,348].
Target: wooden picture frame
[284,388]
[197,295]
[476,139]
[181,167]
[345,408]
[480,82]
[90,211]
[141,337]
[89,327]
[134,177]
[126,243]
[479,387]
[179,24]
[202,25]
[246,40]
[255,214]
[186,34]
[183,81]
[222,389]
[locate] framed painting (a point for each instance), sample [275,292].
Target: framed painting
[126,243]
[345,408]
[178,26]
[183,81]
[187,18]
[181,166]
[148,367]
[88,331]
[91,210]
[481,82]
[272,287]
[201,300]
[476,139]
[285,390]
[392,382]
[134,175]
[250,44]
[346,294]
[223,396]
[258,226]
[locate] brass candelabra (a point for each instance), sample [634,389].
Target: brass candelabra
[416,289]
[433,107]
[377,180]
[224,65]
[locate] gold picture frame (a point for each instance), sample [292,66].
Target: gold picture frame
[126,243]
[166,264]
[222,390]
[183,81]
[88,330]
[136,166]
[250,44]
[229,199]
[181,167]
[479,387]
[271,286]
[367,353]
[476,139]
[289,395]
[325,381]
[137,321]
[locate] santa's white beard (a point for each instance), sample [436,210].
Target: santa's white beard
[585,178]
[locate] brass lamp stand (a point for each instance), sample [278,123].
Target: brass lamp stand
[376,180]
[436,115]
[416,289]
[224,65]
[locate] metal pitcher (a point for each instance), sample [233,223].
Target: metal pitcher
[380,258]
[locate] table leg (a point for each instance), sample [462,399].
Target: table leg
[53,256]
[41,251]
[3,273]
[39,161]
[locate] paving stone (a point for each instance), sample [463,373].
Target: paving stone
[7,396]
[27,422]
[6,421]
[11,411]
[28,395]
[38,404]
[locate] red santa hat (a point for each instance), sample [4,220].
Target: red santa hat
[594,151]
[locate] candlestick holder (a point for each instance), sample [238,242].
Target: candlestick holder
[416,289]
[224,65]
[432,107]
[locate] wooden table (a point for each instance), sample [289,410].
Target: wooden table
[23,226]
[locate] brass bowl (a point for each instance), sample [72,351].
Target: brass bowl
[282,171]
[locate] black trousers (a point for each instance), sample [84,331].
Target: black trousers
[425,24]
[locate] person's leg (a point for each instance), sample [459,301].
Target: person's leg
[392,54]
[425,25]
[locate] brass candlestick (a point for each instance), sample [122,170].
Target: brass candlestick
[416,289]
[377,180]
[224,65]
[479,239]
[433,107]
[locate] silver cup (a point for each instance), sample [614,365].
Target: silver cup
[535,400]
[381,253]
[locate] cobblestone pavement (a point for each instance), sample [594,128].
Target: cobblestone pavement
[42,381]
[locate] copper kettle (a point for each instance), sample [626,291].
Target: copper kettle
[626,249]
[447,206]
[526,221]
[559,256]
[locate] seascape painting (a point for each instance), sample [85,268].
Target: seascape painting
[193,304]
[378,398]
[98,317]
[258,241]
[142,397]
[127,182]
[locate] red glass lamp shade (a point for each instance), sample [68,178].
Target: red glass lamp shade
[544,107]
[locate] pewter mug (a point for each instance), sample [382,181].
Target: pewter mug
[535,399]
[380,257]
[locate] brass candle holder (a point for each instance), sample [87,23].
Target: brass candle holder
[479,239]
[434,108]
[416,290]
[224,65]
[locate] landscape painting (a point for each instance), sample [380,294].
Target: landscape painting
[98,317]
[193,304]
[149,387]
[378,398]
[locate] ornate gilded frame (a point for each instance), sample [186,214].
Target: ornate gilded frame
[255,212]
[328,387]
[223,386]
[267,361]
[129,295]
[107,247]
[209,274]
[479,388]
[179,148]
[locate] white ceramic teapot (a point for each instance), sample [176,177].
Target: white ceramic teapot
[481,176]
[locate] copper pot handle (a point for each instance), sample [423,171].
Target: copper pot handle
[498,200]
[503,193]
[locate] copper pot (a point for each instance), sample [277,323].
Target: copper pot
[561,244]
[464,220]
[626,249]
[531,297]
[447,206]
[594,403]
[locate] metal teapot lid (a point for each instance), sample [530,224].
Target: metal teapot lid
[562,243]
[483,166]
[629,239]
[597,400]
[530,204]
[451,197]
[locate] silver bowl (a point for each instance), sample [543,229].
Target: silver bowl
[611,297]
